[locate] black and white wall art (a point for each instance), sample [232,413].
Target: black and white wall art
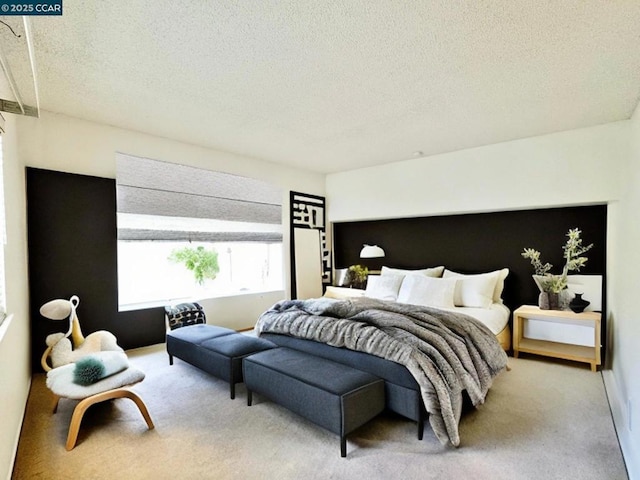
[310,253]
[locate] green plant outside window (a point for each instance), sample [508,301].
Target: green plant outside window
[202,262]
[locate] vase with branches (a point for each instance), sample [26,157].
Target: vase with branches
[573,254]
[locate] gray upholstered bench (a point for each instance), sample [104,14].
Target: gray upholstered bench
[216,350]
[332,395]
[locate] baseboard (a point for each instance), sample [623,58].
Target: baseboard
[619,413]
[18,432]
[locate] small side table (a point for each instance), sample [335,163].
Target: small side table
[578,353]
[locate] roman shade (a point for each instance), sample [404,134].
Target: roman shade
[167,201]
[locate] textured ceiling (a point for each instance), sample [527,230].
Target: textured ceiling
[337,85]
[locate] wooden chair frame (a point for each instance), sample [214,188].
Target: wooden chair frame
[84,404]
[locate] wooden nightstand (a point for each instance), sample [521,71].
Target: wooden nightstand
[568,351]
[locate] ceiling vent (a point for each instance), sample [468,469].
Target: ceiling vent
[18,84]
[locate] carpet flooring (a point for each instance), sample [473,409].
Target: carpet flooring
[542,419]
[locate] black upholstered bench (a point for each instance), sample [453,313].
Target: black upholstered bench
[331,395]
[216,350]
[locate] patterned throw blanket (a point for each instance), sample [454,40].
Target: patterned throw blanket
[445,352]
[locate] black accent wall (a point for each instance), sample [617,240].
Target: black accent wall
[72,248]
[482,242]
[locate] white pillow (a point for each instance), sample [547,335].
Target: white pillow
[340,277]
[474,290]
[499,287]
[427,291]
[383,288]
[435,272]
[497,293]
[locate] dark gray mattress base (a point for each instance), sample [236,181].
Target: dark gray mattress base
[402,392]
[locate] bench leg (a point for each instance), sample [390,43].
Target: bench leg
[232,380]
[170,359]
[249,397]
[343,446]
[421,423]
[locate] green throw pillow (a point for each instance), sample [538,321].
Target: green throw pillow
[88,370]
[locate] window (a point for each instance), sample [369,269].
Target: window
[164,208]
[3,240]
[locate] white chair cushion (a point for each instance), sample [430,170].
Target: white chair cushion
[60,382]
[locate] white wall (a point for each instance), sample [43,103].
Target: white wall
[568,168]
[623,380]
[591,165]
[68,144]
[15,368]
[238,312]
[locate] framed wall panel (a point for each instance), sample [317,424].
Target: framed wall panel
[308,212]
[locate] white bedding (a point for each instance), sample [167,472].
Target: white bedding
[496,317]
[480,294]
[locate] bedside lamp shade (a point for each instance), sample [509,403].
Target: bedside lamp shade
[371,251]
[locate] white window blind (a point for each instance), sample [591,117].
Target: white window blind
[3,240]
[166,201]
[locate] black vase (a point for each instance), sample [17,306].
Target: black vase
[578,304]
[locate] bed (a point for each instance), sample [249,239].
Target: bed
[494,314]
[418,330]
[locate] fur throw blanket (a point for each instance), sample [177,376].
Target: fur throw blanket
[445,352]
